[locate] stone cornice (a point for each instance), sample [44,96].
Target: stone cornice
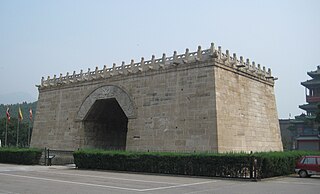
[212,54]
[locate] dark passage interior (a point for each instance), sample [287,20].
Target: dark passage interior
[105,125]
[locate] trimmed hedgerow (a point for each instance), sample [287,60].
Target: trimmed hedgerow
[197,164]
[20,155]
[239,165]
[279,163]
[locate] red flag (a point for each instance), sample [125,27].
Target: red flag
[30,115]
[8,114]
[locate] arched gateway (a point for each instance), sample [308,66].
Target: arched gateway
[104,114]
[107,92]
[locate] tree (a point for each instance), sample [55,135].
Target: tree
[12,132]
[12,125]
[317,119]
[25,107]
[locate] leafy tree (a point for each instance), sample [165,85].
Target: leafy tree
[317,119]
[12,132]
[25,107]
[24,126]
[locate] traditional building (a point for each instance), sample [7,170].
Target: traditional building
[308,133]
[303,129]
[312,88]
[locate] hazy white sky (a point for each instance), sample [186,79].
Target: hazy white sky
[41,38]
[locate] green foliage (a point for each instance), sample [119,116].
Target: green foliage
[317,119]
[20,155]
[279,163]
[238,165]
[197,164]
[12,132]
[25,107]
[24,126]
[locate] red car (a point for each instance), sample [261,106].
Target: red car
[307,166]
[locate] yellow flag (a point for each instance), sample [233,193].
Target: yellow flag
[20,115]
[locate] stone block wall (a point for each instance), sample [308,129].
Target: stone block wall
[200,101]
[175,111]
[247,117]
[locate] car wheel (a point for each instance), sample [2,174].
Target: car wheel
[303,173]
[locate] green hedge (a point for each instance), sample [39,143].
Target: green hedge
[273,164]
[167,163]
[20,155]
[240,165]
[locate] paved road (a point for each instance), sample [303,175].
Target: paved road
[62,179]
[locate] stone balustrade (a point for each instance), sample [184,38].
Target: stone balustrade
[164,62]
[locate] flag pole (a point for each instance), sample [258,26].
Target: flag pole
[18,133]
[6,135]
[29,133]
[29,128]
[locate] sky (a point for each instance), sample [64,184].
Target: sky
[44,38]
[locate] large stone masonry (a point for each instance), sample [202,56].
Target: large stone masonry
[197,101]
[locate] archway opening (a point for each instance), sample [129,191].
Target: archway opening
[106,125]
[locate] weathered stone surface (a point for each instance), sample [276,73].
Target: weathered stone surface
[193,103]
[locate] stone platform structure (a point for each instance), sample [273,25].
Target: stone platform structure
[197,101]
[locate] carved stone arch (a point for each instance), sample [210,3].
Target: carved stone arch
[107,92]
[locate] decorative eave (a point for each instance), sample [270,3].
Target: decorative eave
[311,83]
[295,121]
[309,107]
[209,55]
[315,74]
[309,138]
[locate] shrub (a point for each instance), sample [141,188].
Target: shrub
[198,164]
[279,163]
[239,165]
[20,155]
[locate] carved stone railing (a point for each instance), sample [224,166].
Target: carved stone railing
[163,63]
